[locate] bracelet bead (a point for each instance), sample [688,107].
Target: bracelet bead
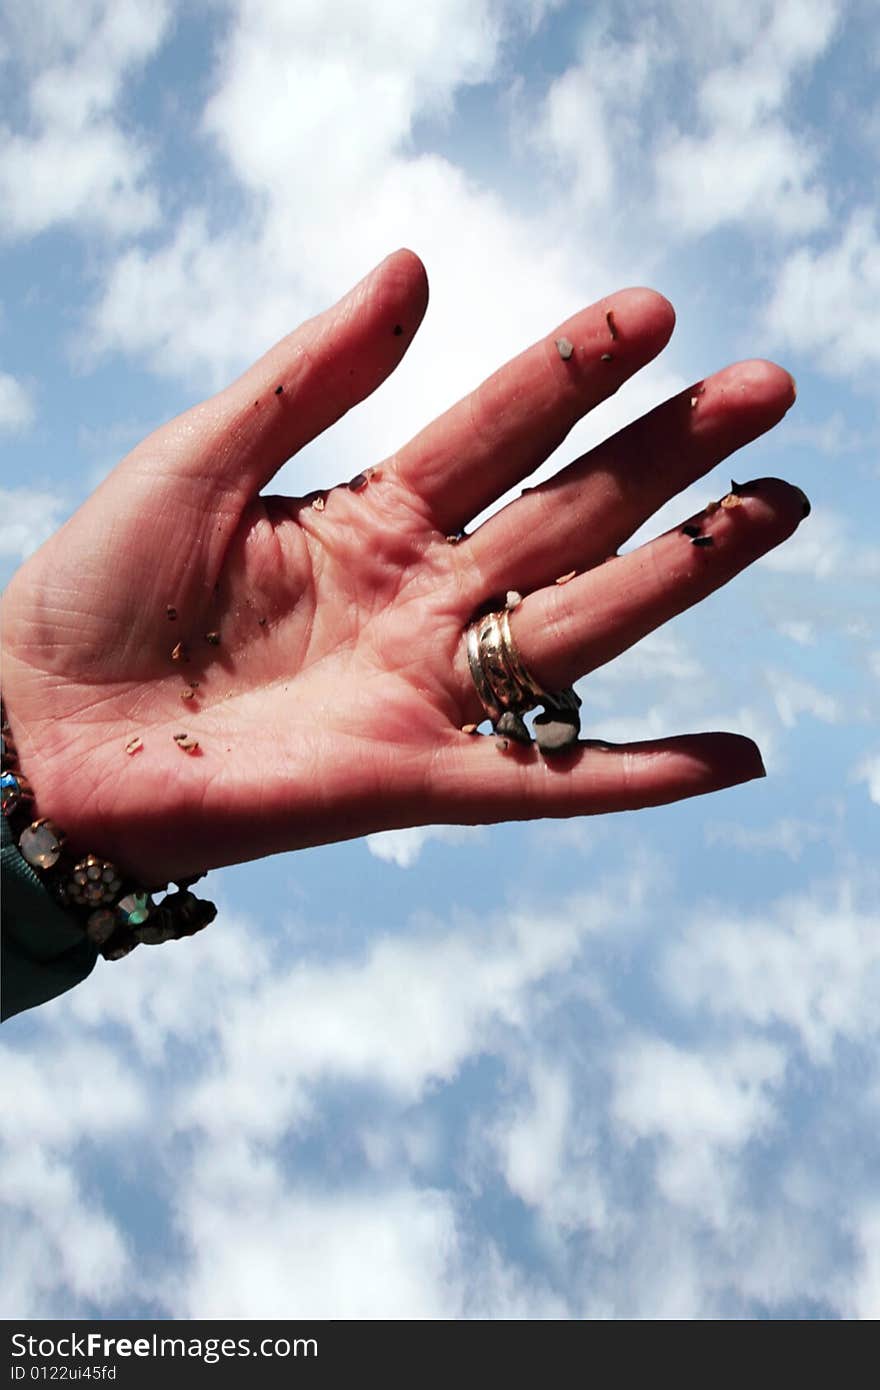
[39,844]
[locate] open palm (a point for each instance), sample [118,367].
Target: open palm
[313,648]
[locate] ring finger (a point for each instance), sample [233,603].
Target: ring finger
[563,631]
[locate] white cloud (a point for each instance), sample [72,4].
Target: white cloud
[56,1099]
[335,61]
[702,1106]
[809,962]
[59,1245]
[690,1097]
[748,165]
[826,302]
[29,517]
[588,116]
[788,836]
[74,162]
[185,309]
[793,697]
[868,770]
[798,630]
[660,655]
[764,177]
[291,81]
[404,847]
[633,1153]
[60,1249]
[864,1298]
[532,1139]
[260,1246]
[16,404]
[833,436]
[402,1020]
[166,998]
[253,1243]
[825,546]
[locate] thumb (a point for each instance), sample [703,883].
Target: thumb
[232,444]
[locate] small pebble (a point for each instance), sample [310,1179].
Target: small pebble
[694,400]
[177,654]
[468,728]
[170,612]
[606,357]
[565,578]
[512,725]
[513,599]
[454,540]
[557,730]
[565,348]
[185,742]
[187,695]
[318,504]
[213,638]
[732,499]
[502,744]
[133,745]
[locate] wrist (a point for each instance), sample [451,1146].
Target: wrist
[109,905]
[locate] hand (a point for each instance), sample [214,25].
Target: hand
[334,703]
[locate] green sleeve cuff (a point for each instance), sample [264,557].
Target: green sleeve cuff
[44,951]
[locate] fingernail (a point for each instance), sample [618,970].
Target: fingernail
[752,763]
[805,501]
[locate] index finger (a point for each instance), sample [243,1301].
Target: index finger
[234,442]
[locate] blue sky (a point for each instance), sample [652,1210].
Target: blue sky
[619,1067]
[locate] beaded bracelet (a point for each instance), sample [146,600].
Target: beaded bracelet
[113,911]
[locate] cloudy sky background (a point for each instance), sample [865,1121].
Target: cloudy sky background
[622,1067]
